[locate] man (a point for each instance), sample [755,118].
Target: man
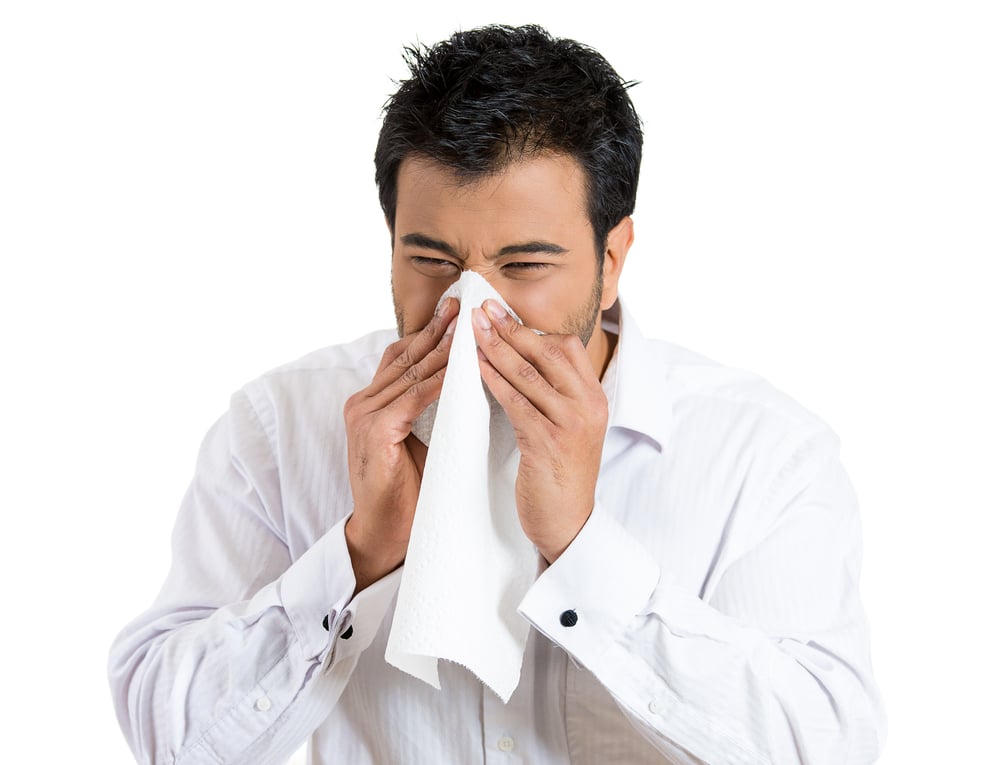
[697,537]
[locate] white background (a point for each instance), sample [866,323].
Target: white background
[186,200]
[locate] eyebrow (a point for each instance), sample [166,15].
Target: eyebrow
[430,243]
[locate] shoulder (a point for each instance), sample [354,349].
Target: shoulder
[746,443]
[700,382]
[362,354]
[658,375]
[736,412]
[307,388]
[356,359]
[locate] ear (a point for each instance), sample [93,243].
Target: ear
[619,241]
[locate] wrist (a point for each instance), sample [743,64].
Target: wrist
[371,558]
[552,544]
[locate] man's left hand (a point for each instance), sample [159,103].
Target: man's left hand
[554,401]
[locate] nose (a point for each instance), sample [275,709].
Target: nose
[488,272]
[492,277]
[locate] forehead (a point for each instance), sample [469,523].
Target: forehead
[546,187]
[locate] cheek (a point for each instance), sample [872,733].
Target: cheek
[416,296]
[546,304]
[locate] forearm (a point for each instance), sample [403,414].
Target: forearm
[725,692]
[200,683]
[241,655]
[781,675]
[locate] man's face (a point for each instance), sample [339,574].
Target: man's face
[525,230]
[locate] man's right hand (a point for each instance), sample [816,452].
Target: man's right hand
[386,461]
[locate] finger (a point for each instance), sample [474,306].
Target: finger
[408,351]
[393,422]
[519,373]
[575,422]
[562,359]
[392,351]
[406,407]
[425,339]
[524,416]
[431,364]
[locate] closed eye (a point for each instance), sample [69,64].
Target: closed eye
[529,266]
[433,266]
[527,270]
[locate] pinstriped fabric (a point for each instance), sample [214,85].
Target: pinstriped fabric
[715,589]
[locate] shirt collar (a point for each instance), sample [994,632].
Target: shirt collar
[636,381]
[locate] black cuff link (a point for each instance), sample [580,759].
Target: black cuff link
[568,618]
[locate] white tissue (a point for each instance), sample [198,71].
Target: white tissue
[468,564]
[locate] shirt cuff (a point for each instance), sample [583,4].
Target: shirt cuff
[316,589]
[584,600]
[363,616]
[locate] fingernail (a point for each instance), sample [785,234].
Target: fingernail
[451,327]
[479,318]
[495,309]
[442,307]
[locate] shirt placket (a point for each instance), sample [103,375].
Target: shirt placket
[504,737]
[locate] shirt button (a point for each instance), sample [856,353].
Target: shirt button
[505,744]
[654,707]
[568,618]
[262,704]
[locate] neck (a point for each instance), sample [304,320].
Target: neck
[600,349]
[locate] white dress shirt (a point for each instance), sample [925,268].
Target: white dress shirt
[714,590]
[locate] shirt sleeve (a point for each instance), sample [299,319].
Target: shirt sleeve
[771,665]
[244,651]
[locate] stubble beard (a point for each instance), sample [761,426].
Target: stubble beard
[400,316]
[582,323]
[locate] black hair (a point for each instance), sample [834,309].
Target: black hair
[491,96]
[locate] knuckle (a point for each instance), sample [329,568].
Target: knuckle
[411,374]
[392,351]
[521,401]
[413,391]
[351,405]
[443,348]
[527,372]
[403,360]
[430,328]
[552,352]
[570,343]
[599,403]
